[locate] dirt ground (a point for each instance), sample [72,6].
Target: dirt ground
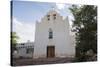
[40,61]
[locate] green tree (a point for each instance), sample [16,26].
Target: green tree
[85,25]
[14,39]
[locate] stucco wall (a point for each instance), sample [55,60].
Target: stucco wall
[61,38]
[22,50]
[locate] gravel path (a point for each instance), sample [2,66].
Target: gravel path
[21,62]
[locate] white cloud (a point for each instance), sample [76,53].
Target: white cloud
[25,30]
[60,6]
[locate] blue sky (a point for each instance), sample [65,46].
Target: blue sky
[29,11]
[26,13]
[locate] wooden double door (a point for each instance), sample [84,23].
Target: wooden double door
[50,51]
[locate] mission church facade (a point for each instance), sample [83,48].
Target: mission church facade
[52,37]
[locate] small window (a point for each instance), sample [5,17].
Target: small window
[22,44]
[30,50]
[54,16]
[48,17]
[27,51]
[50,34]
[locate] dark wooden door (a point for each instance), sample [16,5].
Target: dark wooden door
[50,51]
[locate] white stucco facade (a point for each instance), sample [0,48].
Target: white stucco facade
[61,40]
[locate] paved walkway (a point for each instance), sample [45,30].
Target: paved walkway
[20,62]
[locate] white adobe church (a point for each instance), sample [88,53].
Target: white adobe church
[52,37]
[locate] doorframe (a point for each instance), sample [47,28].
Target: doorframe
[47,50]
